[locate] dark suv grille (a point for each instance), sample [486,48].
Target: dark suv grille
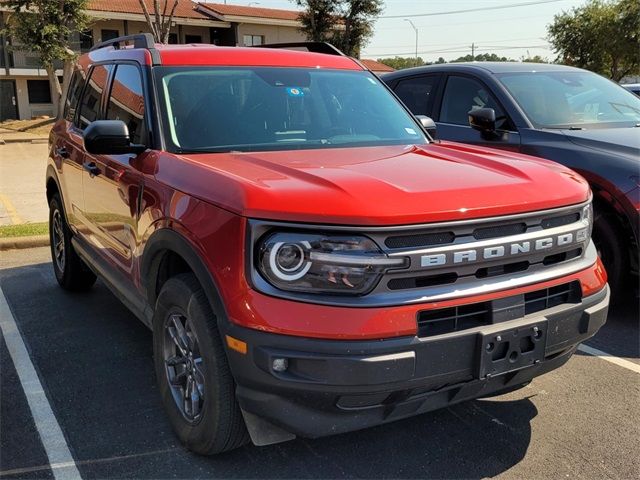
[455,319]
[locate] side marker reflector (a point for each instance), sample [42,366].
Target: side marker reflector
[237,345]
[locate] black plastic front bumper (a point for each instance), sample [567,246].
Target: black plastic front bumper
[331,386]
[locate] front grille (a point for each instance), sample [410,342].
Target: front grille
[560,220]
[463,317]
[499,231]
[421,240]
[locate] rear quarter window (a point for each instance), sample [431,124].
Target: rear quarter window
[73,95]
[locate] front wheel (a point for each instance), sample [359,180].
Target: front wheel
[70,271]
[612,250]
[195,382]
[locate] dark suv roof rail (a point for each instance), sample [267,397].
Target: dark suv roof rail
[315,47]
[140,40]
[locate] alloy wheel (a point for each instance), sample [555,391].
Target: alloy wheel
[184,366]
[57,233]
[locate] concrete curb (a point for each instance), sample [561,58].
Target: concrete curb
[4,141]
[12,243]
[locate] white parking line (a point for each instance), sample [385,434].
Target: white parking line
[621,362]
[50,432]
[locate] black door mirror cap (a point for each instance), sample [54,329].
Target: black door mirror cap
[483,120]
[109,137]
[428,125]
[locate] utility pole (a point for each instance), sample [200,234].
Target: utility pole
[415,30]
[473,52]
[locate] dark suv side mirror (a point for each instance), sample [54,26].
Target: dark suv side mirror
[428,124]
[109,137]
[483,120]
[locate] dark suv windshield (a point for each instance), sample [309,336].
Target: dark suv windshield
[572,99]
[221,109]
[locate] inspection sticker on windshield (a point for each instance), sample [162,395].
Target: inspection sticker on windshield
[410,131]
[295,92]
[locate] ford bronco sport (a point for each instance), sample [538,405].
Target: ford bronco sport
[309,260]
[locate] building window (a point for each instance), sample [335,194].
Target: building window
[39,91]
[106,34]
[192,39]
[86,40]
[173,39]
[252,40]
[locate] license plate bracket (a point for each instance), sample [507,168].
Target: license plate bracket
[511,349]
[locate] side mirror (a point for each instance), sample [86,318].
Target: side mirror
[428,124]
[109,137]
[483,120]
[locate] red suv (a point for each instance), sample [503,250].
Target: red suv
[309,260]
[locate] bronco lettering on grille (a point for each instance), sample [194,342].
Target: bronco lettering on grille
[514,249]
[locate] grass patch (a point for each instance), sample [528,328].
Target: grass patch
[24,230]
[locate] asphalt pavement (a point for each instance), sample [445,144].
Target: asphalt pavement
[93,362]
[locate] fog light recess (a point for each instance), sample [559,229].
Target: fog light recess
[280,364]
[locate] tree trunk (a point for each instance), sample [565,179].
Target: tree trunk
[56,89]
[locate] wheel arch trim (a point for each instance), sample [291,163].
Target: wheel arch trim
[168,240]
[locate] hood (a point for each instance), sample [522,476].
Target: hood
[374,185]
[619,141]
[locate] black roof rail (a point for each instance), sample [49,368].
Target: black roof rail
[315,47]
[140,40]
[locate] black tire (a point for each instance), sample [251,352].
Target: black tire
[187,348]
[70,271]
[612,249]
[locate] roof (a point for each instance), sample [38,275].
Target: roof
[486,67]
[375,66]
[250,56]
[222,10]
[185,8]
[211,55]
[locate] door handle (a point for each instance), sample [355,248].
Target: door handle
[92,168]
[63,152]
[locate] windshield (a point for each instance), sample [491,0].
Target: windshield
[218,109]
[572,99]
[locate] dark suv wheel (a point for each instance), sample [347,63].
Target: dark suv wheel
[195,382]
[71,272]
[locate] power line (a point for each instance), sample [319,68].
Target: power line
[487,48]
[458,44]
[468,10]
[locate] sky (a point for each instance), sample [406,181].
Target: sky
[510,32]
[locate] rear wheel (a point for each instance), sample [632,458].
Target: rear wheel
[195,382]
[70,271]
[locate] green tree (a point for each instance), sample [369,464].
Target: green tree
[398,63]
[46,27]
[535,59]
[318,18]
[601,36]
[482,57]
[347,24]
[160,22]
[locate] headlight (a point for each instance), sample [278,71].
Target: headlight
[314,263]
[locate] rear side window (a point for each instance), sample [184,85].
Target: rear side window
[417,93]
[90,104]
[126,101]
[73,95]
[462,95]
